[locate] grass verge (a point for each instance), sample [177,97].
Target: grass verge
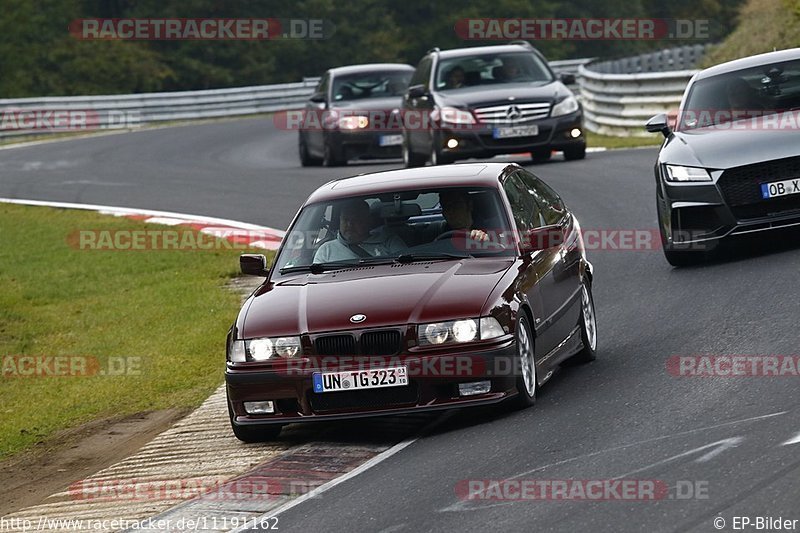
[152,322]
[594,140]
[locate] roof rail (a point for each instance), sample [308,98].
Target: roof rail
[432,50]
[522,42]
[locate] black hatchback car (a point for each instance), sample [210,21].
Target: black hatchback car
[731,165]
[353,114]
[486,101]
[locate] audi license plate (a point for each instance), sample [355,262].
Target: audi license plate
[515,131]
[780,188]
[374,378]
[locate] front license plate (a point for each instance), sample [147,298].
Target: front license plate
[515,131]
[375,378]
[390,140]
[780,188]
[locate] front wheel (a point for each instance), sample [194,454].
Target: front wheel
[305,157]
[572,154]
[331,158]
[411,159]
[526,382]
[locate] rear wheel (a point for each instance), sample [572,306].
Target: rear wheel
[526,382]
[588,327]
[254,434]
[571,154]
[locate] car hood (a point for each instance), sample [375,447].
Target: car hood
[721,149]
[386,294]
[480,96]
[370,104]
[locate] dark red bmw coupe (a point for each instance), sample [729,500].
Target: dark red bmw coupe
[410,290]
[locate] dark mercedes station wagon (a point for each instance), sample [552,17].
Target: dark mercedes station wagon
[411,290]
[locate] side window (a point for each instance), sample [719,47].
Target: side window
[422,75]
[551,205]
[523,205]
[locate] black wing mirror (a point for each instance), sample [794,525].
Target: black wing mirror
[658,123]
[567,78]
[417,91]
[254,265]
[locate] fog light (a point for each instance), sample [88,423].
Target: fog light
[575,133]
[259,408]
[476,387]
[452,143]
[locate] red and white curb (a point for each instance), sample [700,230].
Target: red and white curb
[240,233]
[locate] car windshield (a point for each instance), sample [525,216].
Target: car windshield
[743,94]
[370,85]
[399,226]
[491,69]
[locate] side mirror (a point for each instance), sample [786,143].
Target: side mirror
[317,98]
[657,124]
[254,265]
[417,91]
[542,238]
[567,78]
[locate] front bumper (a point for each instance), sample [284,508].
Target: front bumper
[433,385]
[479,141]
[362,144]
[697,215]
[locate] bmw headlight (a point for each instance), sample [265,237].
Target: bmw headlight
[354,122]
[565,107]
[458,331]
[679,173]
[263,349]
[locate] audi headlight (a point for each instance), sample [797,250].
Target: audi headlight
[565,107]
[457,331]
[354,122]
[451,115]
[679,173]
[265,348]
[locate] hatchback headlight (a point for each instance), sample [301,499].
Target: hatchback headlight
[354,122]
[565,107]
[263,349]
[679,173]
[458,331]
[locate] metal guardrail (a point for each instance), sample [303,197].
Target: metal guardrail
[619,96]
[614,103]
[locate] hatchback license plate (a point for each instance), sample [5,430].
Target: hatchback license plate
[374,378]
[390,140]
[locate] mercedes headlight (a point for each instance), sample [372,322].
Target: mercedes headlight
[451,115]
[679,173]
[565,107]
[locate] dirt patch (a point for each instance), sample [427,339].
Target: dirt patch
[74,454]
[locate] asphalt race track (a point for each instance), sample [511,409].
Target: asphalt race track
[722,446]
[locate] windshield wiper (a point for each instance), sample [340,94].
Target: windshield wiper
[419,256]
[318,268]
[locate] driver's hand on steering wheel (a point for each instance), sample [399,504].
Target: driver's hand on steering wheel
[478,235]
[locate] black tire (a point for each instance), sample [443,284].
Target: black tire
[588,326]
[436,156]
[305,158]
[575,153]
[540,155]
[331,158]
[254,434]
[524,397]
[410,158]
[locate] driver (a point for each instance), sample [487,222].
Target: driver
[355,240]
[457,212]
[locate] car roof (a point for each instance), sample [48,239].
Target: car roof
[478,50]
[749,62]
[457,175]
[370,67]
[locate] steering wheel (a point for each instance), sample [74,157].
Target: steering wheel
[488,244]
